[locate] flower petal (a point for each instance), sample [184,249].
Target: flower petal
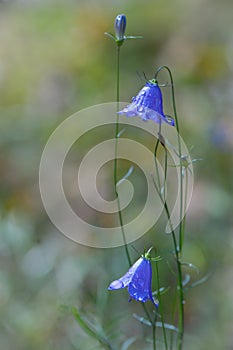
[153,115]
[117,284]
[125,280]
[130,110]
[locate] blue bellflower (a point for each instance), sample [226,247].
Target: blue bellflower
[148,104]
[138,280]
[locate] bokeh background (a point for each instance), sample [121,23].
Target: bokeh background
[54,61]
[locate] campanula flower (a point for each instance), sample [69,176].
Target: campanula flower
[138,280]
[148,104]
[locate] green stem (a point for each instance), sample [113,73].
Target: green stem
[153,324]
[116,154]
[180,284]
[116,172]
[154,333]
[173,314]
[179,269]
[181,225]
[165,175]
[178,248]
[156,165]
[185,197]
[179,150]
[161,306]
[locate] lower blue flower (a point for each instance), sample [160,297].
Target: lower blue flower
[148,104]
[138,280]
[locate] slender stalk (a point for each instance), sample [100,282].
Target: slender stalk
[178,248]
[162,197]
[165,174]
[116,171]
[181,225]
[153,324]
[161,306]
[185,196]
[180,285]
[179,150]
[115,155]
[179,282]
[154,332]
[156,165]
[173,312]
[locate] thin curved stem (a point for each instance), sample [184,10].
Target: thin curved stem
[179,270]
[154,332]
[161,306]
[116,155]
[181,228]
[116,170]
[177,247]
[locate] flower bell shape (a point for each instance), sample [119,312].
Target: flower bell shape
[148,104]
[138,280]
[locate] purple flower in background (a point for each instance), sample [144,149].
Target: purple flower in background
[148,104]
[138,280]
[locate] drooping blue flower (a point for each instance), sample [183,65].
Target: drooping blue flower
[148,104]
[138,280]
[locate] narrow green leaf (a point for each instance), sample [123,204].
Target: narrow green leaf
[134,37]
[161,291]
[198,282]
[89,329]
[158,323]
[156,259]
[120,132]
[110,35]
[186,280]
[192,266]
[127,343]
[142,320]
[126,176]
[167,326]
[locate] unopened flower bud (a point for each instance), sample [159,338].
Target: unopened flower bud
[120,25]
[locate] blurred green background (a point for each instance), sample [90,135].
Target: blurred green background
[54,61]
